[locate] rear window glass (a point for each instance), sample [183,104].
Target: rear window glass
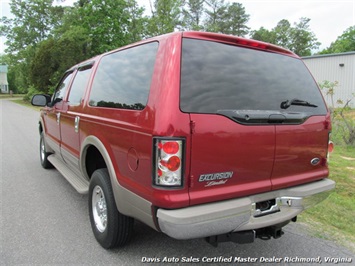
[123,78]
[217,76]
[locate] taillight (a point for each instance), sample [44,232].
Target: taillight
[168,161]
[330,147]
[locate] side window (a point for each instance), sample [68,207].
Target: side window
[62,88]
[123,78]
[79,84]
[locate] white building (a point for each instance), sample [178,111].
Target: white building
[4,85]
[335,67]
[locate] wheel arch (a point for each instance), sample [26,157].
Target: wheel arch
[41,125]
[41,129]
[93,148]
[127,202]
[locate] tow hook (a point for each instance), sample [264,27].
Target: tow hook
[246,237]
[242,237]
[269,232]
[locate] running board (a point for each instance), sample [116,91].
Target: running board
[79,183]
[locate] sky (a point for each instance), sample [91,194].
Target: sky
[329,18]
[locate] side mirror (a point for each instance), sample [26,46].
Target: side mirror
[40,100]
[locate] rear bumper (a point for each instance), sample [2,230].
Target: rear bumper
[239,214]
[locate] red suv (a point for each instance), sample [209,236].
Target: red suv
[195,134]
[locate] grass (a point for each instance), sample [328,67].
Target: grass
[18,98]
[334,218]
[27,104]
[342,127]
[8,96]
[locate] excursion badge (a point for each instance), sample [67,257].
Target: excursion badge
[215,178]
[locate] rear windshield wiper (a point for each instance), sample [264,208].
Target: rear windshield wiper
[286,104]
[264,117]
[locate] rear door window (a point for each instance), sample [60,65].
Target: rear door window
[79,84]
[217,76]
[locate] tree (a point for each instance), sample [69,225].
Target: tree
[106,23]
[136,26]
[303,39]
[299,38]
[13,74]
[216,15]
[343,123]
[330,87]
[344,43]
[54,56]
[226,18]
[32,23]
[43,65]
[236,20]
[264,35]
[19,65]
[192,15]
[283,33]
[166,16]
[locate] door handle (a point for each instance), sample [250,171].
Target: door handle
[58,118]
[76,124]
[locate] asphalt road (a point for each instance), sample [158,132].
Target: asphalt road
[45,221]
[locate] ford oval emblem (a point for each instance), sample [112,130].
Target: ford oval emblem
[315,161]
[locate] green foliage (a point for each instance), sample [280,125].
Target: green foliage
[329,87]
[264,35]
[304,40]
[31,91]
[18,75]
[166,16]
[344,43]
[54,56]
[237,18]
[43,65]
[6,59]
[343,118]
[106,23]
[193,14]
[344,125]
[283,33]
[216,14]
[226,18]
[298,38]
[334,218]
[137,24]
[32,23]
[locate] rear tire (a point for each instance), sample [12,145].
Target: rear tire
[110,227]
[43,154]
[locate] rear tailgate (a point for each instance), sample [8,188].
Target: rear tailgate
[258,119]
[301,153]
[229,160]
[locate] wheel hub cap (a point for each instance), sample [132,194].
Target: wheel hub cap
[99,209]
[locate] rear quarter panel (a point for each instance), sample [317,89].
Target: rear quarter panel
[128,134]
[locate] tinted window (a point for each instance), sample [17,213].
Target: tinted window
[123,78]
[79,84]
[62,88]
[218,76]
